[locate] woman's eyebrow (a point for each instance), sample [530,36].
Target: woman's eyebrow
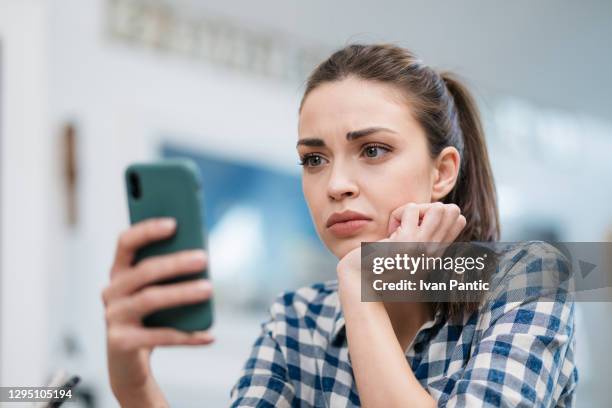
[350,136]
[311,141]
[356,134]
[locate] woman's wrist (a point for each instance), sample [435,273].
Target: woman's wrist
[149,395]
[349,285]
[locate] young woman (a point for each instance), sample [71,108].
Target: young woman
[392,151]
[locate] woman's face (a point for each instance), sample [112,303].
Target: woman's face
[364,152]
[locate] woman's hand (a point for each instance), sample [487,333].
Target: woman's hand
[427,222]
[126,300]
[372,338]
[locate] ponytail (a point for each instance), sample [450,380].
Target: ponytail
[474,192]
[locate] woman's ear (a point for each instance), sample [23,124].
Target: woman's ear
[445,173]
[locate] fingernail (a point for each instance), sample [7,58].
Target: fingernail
[202,335]
[203,285]
[167,222]
[197,255]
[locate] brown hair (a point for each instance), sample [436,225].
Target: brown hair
[449,115]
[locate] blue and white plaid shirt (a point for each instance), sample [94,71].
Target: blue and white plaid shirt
[517,353]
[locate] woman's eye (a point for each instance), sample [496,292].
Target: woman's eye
[311,160]
[373,151]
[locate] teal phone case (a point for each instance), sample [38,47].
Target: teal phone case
[171,188]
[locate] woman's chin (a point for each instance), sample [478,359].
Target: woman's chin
[341,247]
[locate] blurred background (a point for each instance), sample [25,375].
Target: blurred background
[89,86]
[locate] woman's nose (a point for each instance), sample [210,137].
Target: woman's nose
[341,184]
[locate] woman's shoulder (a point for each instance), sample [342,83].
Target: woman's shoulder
[535,267]
[532,275]
[525,326]
[515,254]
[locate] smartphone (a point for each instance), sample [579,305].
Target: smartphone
[171,188]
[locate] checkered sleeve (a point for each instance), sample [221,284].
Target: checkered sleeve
[524,357]
[263,380]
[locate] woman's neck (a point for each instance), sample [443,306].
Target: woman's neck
[406,319]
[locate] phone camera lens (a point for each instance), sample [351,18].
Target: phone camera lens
[134,182]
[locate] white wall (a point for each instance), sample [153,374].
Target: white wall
[26,190]
[553,53]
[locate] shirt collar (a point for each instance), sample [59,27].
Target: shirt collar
[337,333]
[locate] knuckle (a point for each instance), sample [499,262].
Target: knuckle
[148,269]
[114,336]
[433,208]
[454,208]
[104,295]
[109,315]
[116,339]
[124,238]
[114,270]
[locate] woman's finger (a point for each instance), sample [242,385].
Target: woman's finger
[431,222]
[395,220]
[156,268]
[129,337]
[138,235]
[450,214]
[169,337]
[408,215]
[454,231]
[156,297]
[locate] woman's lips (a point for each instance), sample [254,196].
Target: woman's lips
[347,228]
